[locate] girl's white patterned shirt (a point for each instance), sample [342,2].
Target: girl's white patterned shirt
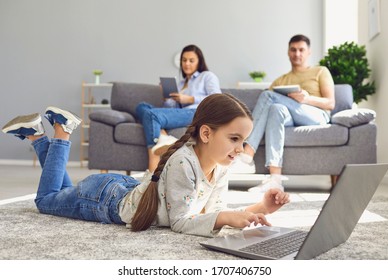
[188,202]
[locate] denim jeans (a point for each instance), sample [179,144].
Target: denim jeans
[155,119]
[96,198]
[272,113]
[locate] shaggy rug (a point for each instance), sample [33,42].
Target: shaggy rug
[25,235]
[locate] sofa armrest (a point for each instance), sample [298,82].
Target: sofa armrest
[353,117]
[111,117]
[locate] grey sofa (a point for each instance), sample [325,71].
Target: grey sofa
[116,140]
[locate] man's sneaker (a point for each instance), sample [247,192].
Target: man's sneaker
[243,164]
[69,121]
[26,125]
[274,181]
[164,142]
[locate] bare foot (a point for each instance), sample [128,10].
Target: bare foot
[34,137]
[59,133]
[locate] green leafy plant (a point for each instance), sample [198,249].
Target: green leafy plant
[257,75]
[348,65]
[97,72]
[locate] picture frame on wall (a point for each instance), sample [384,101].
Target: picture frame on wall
[374,18]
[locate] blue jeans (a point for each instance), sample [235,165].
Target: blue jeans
[96,198]
[272,113]
[155,119]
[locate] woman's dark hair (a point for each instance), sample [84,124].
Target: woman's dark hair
[201,59]
[298,38]
[216,110]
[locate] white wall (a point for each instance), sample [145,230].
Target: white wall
[378,58]
[340,22]
[48,47]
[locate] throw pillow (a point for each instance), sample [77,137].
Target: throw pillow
[353,117]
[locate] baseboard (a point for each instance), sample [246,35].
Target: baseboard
[17,199]
[19,162]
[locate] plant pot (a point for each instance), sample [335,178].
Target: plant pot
[258,80]
[97,80]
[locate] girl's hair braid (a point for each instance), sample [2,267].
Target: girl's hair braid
[148,205]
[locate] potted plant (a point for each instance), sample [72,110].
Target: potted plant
[348,65]
[258,76]
[97,73]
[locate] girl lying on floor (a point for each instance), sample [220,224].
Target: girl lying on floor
[185,191]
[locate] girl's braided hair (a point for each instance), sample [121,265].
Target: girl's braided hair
[215,111]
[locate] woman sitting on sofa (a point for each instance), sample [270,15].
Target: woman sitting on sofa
[178,111]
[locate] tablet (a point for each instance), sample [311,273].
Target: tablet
[286,89]
[169,85]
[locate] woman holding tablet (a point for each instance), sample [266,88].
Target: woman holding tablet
[178,111]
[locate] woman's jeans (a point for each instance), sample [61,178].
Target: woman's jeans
[96,198]
[272,113]
[155,119]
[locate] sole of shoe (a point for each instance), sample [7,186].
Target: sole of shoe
[67,114]
[27,121]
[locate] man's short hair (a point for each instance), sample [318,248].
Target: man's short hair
[298,38]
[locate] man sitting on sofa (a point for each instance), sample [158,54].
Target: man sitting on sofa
[274,111]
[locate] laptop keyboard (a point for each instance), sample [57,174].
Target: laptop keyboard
[278,247]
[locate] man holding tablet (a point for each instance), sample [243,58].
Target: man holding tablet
[308,104]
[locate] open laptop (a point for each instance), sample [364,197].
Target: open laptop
[336,221]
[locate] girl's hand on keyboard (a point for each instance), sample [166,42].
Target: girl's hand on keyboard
[240,219]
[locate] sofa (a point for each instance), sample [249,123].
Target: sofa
[117,142]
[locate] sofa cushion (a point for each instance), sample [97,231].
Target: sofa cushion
[248,96]
[301,136]
[353,117]
[129,134]
[126,96]
[111,117]
[316,135]
[326,135]
[343,98]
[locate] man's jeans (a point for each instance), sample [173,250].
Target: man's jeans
[155,119]
[96,198]
[272,113]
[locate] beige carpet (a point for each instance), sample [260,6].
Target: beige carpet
[26,234]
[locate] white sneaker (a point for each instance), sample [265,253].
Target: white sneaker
[164,142]
[26,125]
[68,120]
[244,164]
[274,181]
